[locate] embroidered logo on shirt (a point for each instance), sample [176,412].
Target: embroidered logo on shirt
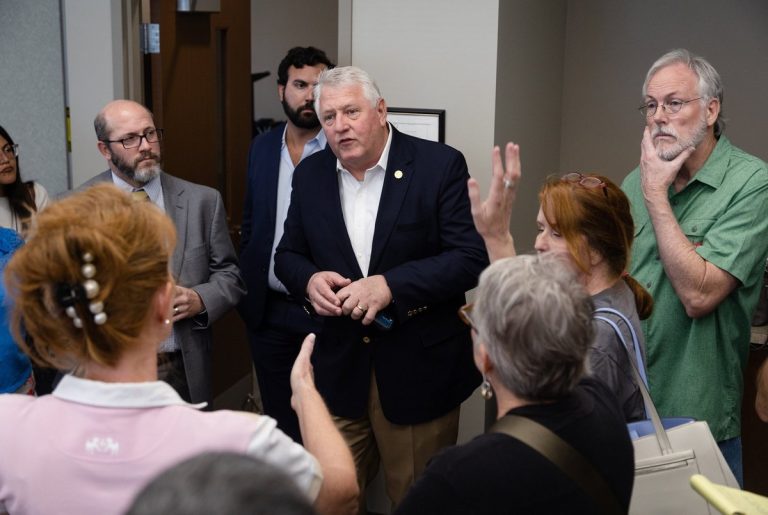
[102,445]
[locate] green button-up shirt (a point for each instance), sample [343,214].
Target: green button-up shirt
[696,366]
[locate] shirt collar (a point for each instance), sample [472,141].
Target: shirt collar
[153,187]
[148,394]
[716,165]
[383,159]
[318,141]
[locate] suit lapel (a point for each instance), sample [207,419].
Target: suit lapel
[396,182]
[175,202]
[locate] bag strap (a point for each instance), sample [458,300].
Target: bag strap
[570,461]
[635,340]
[650,407]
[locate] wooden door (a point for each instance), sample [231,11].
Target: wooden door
[199,88]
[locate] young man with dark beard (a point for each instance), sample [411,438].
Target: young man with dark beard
[277,322]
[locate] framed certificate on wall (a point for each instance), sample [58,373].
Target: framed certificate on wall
[423,123]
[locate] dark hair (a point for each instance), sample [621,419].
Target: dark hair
[221,482]
[21,195]
[298,57]
[599,219]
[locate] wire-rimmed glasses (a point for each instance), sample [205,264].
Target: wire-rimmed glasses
[673,106]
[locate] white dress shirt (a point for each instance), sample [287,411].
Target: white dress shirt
[284,179]
[360,205]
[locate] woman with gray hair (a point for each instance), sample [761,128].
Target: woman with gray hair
[532,329]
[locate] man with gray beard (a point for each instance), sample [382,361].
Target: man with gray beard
[204,263]
[701,221]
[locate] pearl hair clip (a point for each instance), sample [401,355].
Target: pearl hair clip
[68,295]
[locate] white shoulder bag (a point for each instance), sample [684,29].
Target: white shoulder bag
[666,459]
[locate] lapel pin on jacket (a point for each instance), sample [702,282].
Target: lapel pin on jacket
[399,174]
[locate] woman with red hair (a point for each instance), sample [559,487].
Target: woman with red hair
[585,217]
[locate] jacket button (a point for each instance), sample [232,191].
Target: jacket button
[366,339]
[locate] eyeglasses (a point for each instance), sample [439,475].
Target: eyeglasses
[673,106]
[151,135]
[465,314]
[586,181]
[11,150]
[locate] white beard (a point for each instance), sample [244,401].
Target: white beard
[670,151]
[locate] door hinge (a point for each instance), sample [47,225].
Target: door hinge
[150,38]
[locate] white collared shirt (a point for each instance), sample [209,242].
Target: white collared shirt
[360,204]
[284,179]
[148,394]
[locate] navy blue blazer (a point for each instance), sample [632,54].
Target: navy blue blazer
[427,248]
[258,227]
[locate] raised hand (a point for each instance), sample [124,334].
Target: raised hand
[491,216]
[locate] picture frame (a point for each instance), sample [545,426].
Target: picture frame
[427,124]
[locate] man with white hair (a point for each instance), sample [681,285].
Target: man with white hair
[379,239]
[701,220]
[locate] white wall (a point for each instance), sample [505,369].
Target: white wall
[32,99]
[528,99]
[94,75]
[437,54]
[277,27]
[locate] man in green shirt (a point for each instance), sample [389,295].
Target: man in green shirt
[700,207]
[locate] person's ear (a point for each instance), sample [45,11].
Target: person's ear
[104,150]
[481,357]
[163,302]
[595,258]
[713,110]
[281,92]
[381,111]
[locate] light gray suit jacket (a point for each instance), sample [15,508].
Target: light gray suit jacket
[205,261]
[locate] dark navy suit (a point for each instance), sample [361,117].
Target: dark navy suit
[258,228]
[427,248]
[276,323]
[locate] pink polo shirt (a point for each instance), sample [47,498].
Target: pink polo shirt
[91,446]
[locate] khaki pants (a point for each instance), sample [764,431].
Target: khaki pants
[403,450]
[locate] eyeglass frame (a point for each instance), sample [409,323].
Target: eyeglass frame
[147,133]
[14,150]
[666,107]
[583,181]
[465,314]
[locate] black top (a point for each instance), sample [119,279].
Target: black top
[495,473]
